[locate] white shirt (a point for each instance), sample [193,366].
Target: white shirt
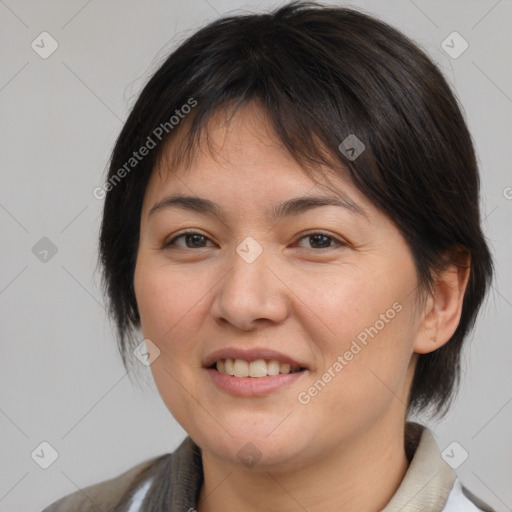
[457,501]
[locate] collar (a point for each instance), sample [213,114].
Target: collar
[428,480]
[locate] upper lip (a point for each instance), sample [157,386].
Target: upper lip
[250,355]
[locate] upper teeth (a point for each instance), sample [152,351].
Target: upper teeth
[259,368]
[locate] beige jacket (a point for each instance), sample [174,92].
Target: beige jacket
[427,486]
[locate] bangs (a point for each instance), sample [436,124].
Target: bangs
[193,136]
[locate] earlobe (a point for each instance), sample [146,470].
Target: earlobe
[443,307]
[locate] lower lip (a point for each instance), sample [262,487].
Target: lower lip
[253,386]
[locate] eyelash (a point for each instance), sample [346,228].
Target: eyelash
[339,243]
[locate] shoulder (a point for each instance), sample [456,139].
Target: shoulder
[105,495]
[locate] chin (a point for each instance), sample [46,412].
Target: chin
[255,449]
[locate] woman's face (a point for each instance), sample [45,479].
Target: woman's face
[265,276]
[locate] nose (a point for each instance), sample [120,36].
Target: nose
[251,294]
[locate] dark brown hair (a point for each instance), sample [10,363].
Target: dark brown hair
[320,73]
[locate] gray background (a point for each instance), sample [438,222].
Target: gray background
[61,377]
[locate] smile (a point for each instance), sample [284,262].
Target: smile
[257,369]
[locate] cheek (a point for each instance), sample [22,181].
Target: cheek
[362,326]
[169,304]
[362,371]
[346,305]
[168,301]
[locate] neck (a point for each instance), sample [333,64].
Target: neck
[362,475]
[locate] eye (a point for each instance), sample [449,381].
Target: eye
[191,240]
[195,240]
[320,240]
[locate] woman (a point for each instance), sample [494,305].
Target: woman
[291,222]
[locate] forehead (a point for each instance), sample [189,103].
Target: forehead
[241,153]
[226,139]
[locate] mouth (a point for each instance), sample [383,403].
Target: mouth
[256,369]
[255,372]
[256,378]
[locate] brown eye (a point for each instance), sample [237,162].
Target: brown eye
[192,240]
[321,241]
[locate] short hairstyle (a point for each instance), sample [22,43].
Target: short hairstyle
[320,73]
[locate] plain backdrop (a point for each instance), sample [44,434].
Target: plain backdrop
[62,381]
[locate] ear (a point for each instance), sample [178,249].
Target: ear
[443,307]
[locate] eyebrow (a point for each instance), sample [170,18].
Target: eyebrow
[294,206]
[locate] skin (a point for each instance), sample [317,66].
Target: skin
[344,450]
